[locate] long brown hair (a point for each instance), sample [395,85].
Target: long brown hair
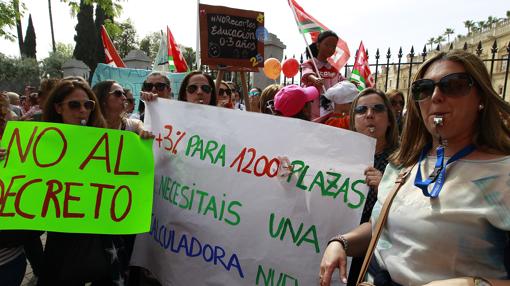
[391,135]
[60,92]
[491,133]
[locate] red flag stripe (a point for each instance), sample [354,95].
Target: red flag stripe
[111,54]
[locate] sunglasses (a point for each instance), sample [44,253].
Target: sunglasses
[223,91]
[118,93]
[270,105]
[76,104]
[192,88]
[363,109]
[253,93]
[455,84]
[160,86]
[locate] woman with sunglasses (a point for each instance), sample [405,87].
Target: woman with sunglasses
[198,87]
[254,99]
[225,96]
[112,99]
[73,102]
[371,115]
[267,98]
[449,223]
[396,98]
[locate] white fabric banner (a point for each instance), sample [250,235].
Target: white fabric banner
[223,216]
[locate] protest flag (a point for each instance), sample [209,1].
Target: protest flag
[176,61]
[361,73]
[307,24]
[111,55]
[161,59]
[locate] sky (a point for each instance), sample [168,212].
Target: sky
[379,24]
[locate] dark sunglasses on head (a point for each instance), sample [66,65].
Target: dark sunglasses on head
[222,91]
[76,104]
[455,84]
[363,109]
[118,93]
[192,88]
[160,86]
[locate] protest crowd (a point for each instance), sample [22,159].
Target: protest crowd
[437,211]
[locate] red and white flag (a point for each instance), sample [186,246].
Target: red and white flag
[361,71]
[308,24]
[175,59]
[111,55]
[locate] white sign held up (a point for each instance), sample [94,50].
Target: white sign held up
[224,215]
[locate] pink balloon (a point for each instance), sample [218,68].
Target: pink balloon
[290,67]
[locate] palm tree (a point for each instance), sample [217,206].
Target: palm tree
[469,25]
[51,25]
[448,32]
[491,20]
[439,40]
[430,42]
[481,25]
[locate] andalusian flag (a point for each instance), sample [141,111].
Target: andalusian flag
[309,25]
[361,73]
[111,55]
[176,61]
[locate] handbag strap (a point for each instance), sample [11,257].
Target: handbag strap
[382,220]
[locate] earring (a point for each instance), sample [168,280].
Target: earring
[480,107]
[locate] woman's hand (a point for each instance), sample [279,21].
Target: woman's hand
[145,134]
[373,177]
[3,153]
[317,82]
[148,96]
[334,257]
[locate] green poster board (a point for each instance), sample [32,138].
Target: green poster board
[68,178]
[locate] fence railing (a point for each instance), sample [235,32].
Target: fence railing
[389,74]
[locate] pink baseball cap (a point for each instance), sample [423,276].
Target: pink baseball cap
[291,99]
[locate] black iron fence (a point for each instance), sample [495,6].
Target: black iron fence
[389,74]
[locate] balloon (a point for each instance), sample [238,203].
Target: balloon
[272,68]
[290,67]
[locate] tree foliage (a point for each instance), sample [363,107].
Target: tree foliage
[99,21]
[86,37]
[29,44]
[124,39]
[111,8]
[52,65]
[150,44]
[8,17]
[190,56]
[15,73]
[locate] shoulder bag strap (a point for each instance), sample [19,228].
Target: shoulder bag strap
[381,221]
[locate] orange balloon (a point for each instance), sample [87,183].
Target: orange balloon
[272,68]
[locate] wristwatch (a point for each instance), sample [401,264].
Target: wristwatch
[479,281]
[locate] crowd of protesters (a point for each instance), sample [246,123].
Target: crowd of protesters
[453,112]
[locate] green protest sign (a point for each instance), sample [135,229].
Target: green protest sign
[68,178]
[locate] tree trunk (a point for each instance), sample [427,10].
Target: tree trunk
[51,25]
[19,28]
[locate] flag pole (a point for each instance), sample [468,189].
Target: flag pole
[197,53]
[307,45]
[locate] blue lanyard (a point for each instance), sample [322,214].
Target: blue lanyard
[439,174]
